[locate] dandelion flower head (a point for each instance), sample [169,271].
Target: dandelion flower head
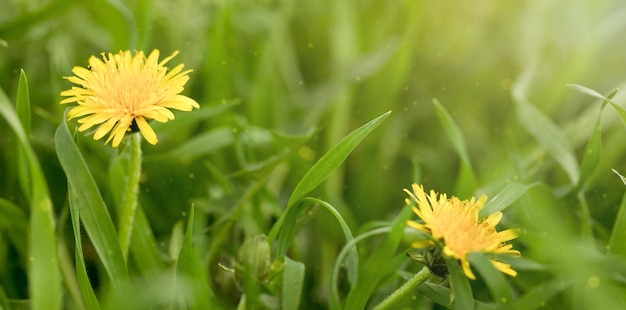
[122,92]
[455,224]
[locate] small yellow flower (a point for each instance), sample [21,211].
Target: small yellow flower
[455,224]
[123,92]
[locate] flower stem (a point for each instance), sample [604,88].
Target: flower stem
[405,290]
[129,202]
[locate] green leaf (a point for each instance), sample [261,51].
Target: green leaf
[333,159]
[549,136]
[92,209]
[372,271]
[86,289]
[466,181]
[293,281]
[291,223]
[617,242]
[506,197]
[44,278]
[495,280]
[461,289]
[193,273]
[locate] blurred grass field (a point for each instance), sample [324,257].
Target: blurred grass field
[279,83]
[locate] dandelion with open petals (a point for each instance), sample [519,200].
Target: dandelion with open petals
[455,225]
[123,92]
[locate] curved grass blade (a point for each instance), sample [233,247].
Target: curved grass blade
[466,181]
[371,273]
[293,281]
[495,280]
[291,222]
[461,289]
[595,94]
[93,211]
[43,265]
[335,304]
[88,294]
[325,166]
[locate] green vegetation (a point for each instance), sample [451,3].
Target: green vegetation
[285,189]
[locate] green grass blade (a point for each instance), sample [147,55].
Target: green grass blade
[591,158]
[193,272]
[620,176]
[617,242]
[506,197]
[333,159]
[289,230]
[93,211]
[466,181]
[22,103]
[87,292]
[293,281]
[325,166]
[371,273]
[549,136]
[335,304]
[589,91]
[22,107]
[461,289]
[495,280]
[43,265]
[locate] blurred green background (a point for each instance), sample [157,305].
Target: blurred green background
[281,81]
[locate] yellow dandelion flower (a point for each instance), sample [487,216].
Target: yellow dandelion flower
[455,224]
[122,92]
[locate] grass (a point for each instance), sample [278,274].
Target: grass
[284,190]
